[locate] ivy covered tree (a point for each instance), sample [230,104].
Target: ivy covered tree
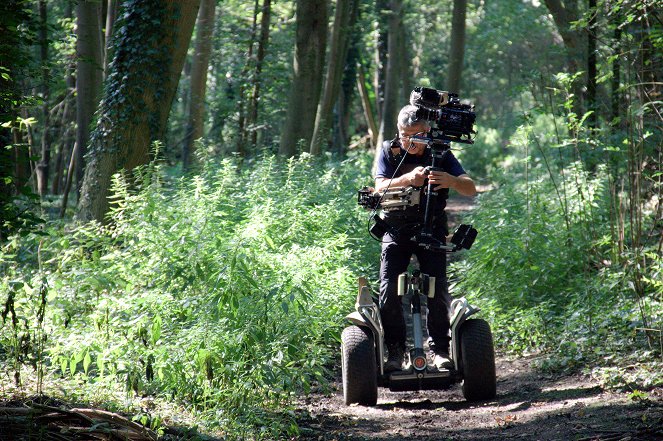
[151,42]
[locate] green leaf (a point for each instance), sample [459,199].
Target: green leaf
[156,329]
[86,362]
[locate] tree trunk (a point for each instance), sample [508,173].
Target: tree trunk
[391,91]
[616,101]
[381,50]
[405,64]
[241,132]
[252,120]
[45,157]
[67,124]
[564,16]
[67,130]
[591,64]
[348,84]
[335,63]
[311,38]
[199,68]
[151,42]
[88,76]
[457,51]
[366,105]
[111,13]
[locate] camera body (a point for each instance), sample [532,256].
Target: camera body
[451,120]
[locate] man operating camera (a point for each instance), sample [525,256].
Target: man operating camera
[403,162]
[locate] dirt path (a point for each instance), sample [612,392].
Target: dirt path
[529,406]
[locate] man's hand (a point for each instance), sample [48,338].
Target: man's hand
[463,184]
[417,176]
[441,179]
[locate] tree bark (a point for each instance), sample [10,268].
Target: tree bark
[151,42]
[335,63]
[241,132]
[89,71]
[67,124]
[311,38]
[111,13]
[457,50]
[348,84]
[366,105]
[391,91]
[45,157]
[381,50]
[252,120]
[199,68]
[405,64]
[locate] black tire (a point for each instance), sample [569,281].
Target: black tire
[360,383]
[478,361]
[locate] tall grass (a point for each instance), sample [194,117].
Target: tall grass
[224,291]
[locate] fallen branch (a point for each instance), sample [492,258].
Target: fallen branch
[60,422]
[117,419]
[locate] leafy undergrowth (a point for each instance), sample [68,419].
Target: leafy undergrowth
[222,293]
[546,273]
[212,300]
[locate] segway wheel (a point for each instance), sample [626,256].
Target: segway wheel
[478,361]
[359,366]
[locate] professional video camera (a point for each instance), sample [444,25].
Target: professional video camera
[452,120]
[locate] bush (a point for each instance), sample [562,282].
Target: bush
[541,269]
[224,290]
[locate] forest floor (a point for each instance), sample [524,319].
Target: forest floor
[530,405]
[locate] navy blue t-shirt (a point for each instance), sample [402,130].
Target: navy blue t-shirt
[386,169]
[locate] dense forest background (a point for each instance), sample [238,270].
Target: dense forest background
[179,233]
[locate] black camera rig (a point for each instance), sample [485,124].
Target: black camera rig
[451,122]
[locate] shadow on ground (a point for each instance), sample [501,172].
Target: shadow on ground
[529,406]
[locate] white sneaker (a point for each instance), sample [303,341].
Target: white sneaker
[442,361]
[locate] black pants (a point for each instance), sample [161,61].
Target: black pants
[394,261]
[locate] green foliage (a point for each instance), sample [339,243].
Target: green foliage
[552,267]
[224,290]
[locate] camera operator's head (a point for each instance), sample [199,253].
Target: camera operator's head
[412,130]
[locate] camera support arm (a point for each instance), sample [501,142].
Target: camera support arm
[438,153]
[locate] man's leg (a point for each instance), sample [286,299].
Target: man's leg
[394,261]
[434,264]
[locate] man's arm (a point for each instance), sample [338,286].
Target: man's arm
[463,184]
[416,178]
